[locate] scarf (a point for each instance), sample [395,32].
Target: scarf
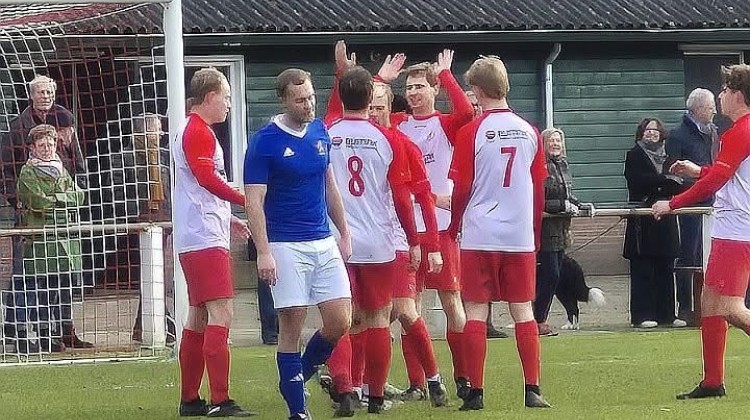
[656,152]
[52,168]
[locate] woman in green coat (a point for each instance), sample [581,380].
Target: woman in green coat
[49,197]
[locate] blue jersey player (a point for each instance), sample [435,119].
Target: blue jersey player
[290,190]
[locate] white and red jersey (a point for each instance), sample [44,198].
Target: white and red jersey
[202,212]
[420,189]
[370,167]
[498,167]
[729,179]
[435,135]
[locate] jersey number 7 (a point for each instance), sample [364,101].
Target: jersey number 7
[511,152]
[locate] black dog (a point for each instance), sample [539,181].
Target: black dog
[573,289]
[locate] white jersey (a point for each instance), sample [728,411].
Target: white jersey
[732,203]
[501,151]
[366,160]
[201,219]
[437,151]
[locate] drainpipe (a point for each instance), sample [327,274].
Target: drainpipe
[549,107]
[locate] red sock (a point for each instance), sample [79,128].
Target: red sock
[378,359]
[529,350]
[191,364]
[411,357]
[216,352]
[421,337]
[475,338]
[359,342]
[714,340]
[455,343]
[340,365]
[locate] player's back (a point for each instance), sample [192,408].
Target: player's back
[361,157]
[500,212]
[732,204]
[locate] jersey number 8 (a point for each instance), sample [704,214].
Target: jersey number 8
[356,183]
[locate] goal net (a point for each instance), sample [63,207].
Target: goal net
[85,244]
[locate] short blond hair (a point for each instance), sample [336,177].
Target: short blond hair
[426,70]
[383,89]
[41,131]
[489,74]
[42,80]
[205,80]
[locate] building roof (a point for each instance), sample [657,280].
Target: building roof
[308,16]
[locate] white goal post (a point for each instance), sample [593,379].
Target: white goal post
[107,87]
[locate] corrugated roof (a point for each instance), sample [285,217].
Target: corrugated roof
[269,16]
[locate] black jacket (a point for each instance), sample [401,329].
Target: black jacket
[687,142]
[645,236]
[558,187]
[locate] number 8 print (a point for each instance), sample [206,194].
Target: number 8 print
[356,183]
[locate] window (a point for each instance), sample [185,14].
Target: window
[232,134]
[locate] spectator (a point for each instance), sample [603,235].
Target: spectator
[651,245]
[48,197]
[146,186]
[696,139]
[559,200]
[41,110]
[269,318]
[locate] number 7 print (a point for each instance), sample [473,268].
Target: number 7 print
[511,151]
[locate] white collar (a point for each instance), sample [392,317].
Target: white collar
[279,121]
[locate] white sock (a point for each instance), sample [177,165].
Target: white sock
[435,378]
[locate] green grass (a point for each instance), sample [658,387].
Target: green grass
[623,375]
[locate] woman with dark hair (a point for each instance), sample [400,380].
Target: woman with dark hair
[651,245]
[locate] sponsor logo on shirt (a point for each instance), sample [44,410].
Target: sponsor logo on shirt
[429,158]
[490,136]
[361,143]
[336,141]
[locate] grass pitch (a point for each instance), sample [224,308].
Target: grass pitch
[620,375]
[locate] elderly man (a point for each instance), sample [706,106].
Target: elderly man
[696,140]
[41,110]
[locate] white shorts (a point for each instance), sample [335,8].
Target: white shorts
[308,273]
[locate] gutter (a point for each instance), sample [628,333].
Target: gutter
[549,106]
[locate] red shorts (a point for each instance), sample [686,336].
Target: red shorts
[728,270]
[372,284]
[405,284]
[491,276]
[448,277]
[208,273]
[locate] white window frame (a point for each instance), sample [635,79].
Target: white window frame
[717,49]
[238,111]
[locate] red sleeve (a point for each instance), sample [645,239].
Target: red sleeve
[538,176]
[462,174]
[400,181]
[734,150]
[397,118]
[463,112]
[335,108]
[199,146]
[422,191]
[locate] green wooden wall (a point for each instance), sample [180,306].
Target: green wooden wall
[262,102]
[598,104]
